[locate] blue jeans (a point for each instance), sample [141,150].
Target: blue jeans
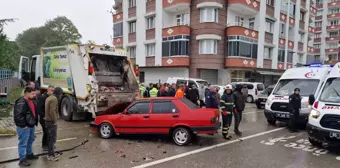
[26,139]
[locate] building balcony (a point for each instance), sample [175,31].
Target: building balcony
[176,5]
[150,6]
[132,12]
[334,27]
[176,30]
[283,17]
[282,41]
[267,63]
[337,38]
[316,50]
[317,40]
[176,61]
[280,66]
[117,17]
[241,31]
[332,51]
[132,37]
[334,4]
[313,10]
[300,46]
[311,29]
[118,41]
[289,65]
[240,62]
[318,29]
[150,61]
[290,44]
[334,16]
[319,6]
[247,7]
[291,21]
[268,38]
[270,10]
[318,17]
[302,25]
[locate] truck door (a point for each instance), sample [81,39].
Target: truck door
[24,71]
[33,69]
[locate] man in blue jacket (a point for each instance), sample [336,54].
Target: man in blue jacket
[211,99]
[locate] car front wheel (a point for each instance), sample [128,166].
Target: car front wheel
[181,136]
[106,130]
[315,143]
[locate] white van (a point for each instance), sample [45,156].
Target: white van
[324,120]
[199,83]
[254,90]
[308,79]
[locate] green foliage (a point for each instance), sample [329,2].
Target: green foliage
[56,32]
[90,42]
[14,94]
[9,51]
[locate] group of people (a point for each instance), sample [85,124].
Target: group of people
[31,108]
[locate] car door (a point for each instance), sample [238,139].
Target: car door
[135,119]
[164,115]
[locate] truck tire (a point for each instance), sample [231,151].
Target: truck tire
[66,108]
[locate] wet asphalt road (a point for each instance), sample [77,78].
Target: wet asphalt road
[262,146]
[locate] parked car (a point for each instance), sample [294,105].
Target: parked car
[262,98]
[177,117]
[254,89]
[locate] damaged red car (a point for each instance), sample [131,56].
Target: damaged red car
[177,117]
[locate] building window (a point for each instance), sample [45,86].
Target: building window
[237,76]
[270,2]
[150,22]
[208,47]
[333,34]
[332,45]
[132,3]
[132,27]
[292,9]
[284,6]
[268,53]
[281,54]
[132,52]
[150,50]
[319,13]
[209,15]
[251,23]
[269,26]
[302,16]
[333,57]
[242,46]
[301,37]
[333,22]
[333,10]
[317,35]
[290,56]
[175,45]
[300,58]
[182,19]
[318,24]
[282,30]
[316,46]
[239,21]
[118,29]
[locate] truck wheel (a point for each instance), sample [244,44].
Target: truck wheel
[315,143]
[181,136]
[271,122]
[66,108]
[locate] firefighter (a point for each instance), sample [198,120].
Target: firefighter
[227,106]
[294,106]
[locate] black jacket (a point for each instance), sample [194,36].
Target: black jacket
[164,94]
[172,92]
[23,115]
[193,95]
[146,92]
[227,102]
[239,100]
[41,105]
[295,103]
[211,100]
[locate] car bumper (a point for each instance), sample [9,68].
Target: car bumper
[260,102]
[93,126]
[321,135]
[206,129]
[272,115]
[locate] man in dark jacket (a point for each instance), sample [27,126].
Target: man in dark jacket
[165,92]
[294,106]
[172,90]
[227,107]
[41,112]
[25,118]
[193,94]
[239,107]
[146,92]
[211,99]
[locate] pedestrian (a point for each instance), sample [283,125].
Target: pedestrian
[239,107]
[165,92]
[41,98]
[158,86]
[161,89]
[227,108]
[25,119]
[30,84]
[147,92]
[141,90]
[51,116]
[193,95]
[172,90]
[180,91]
[211,99]
[245,92]
[154,91]
[294,106]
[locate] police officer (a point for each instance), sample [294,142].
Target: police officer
[227,106]
[211,99]
[154,91]
[294,106]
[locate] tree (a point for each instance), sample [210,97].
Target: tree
[64,29]
[89,42]
[9,51]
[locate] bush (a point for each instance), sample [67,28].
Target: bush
[14,94]
[7,131]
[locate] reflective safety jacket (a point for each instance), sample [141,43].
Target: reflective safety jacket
[227,103]
[153,92]
[141,91]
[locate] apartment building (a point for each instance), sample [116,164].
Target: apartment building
[221,41]
[327,35]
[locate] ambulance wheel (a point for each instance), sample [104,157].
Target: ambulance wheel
[271,122]
[66,108]
[315,143]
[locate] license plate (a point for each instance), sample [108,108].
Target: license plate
[334,135]
[279,115]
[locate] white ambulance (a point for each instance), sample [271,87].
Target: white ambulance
[324,120]
[308,79]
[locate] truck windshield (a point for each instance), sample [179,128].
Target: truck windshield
[331,91]
[285,87]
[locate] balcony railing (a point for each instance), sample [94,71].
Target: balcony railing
[268,38]
[302,25]
[176,30]
[239,29]
[270,10]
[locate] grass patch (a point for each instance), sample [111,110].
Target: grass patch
[5,110]
[7,131]
[12,96]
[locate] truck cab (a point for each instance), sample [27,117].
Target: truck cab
[308,79]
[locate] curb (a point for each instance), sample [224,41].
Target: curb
[7,135]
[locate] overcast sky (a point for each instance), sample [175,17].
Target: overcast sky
[91,17]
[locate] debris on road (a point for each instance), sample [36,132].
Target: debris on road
[134,161]
[123,156]
[164,152]
[148,158]
[72,157]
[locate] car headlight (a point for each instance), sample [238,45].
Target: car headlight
[314,114]
[304,105]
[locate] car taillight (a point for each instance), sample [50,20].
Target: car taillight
[214,120]
[91,69]
[255,91]
[316,105]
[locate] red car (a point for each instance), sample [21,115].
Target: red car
[177,117]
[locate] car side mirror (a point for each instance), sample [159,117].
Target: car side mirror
[311,99]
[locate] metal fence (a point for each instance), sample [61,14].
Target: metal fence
[8,81]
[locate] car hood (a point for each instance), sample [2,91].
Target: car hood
[115,109]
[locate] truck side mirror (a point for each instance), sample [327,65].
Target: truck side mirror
[311,99]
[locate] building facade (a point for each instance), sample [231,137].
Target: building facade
[327,26]
[221,41]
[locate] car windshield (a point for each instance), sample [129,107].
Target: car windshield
[260,87]
[202,83]
[267,90]
[331,91]
[285,87]
[190,104]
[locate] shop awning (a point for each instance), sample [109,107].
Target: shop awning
[269,73]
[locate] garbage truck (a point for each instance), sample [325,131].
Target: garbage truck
[92,77]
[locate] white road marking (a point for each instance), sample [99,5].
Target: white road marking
[204,149]
[337,158]
[60,140]
[253,112]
